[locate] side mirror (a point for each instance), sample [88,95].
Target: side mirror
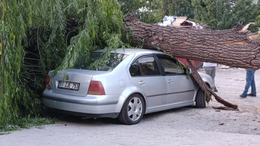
[188,71]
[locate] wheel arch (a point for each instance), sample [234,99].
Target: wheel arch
[207,84]
[145,100]
[208,80]
[136,111]
[130,91]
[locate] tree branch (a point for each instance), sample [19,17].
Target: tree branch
[206,89]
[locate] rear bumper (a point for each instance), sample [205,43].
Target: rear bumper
[90,106]
[86,115]
[87,100]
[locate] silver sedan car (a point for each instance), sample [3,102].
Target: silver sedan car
[133,82]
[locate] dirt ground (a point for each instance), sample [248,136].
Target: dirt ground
[183,126]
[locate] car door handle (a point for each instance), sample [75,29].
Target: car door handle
[169,81]
[141,83]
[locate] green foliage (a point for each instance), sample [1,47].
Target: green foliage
[178,8]
[40,35]
[256,26]
[102,29]
[224,14]
[11,59]
[148,11]
[257,20]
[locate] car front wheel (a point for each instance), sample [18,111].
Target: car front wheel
[133,110]
[201,99]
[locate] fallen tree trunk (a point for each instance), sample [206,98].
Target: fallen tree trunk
[234,47]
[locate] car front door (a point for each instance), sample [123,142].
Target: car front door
[180,87]
[147,77]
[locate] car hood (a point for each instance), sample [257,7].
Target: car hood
[207,79]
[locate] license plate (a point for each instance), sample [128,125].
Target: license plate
[68,85]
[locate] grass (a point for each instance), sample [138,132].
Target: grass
[25,123]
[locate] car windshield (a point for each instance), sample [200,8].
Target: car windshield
[97,61]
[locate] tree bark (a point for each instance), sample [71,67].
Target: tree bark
[232,47]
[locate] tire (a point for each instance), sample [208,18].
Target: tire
[201,99]
[133,110]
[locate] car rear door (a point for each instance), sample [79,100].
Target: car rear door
[180,87]
[147,77]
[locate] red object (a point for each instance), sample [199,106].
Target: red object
[47,82]
[195,63]
[96,88]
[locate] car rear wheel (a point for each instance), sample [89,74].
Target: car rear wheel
[201,99]
[133,110]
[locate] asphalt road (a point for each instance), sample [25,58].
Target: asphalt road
[186,126]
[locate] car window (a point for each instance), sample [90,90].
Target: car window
[144,66]
[91,62]
[171,66]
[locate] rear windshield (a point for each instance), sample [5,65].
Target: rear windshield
[97,61]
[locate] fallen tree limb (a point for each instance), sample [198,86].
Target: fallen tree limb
[205,88]
[218,108]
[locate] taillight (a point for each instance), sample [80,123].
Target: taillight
[47,82]
[96,88]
